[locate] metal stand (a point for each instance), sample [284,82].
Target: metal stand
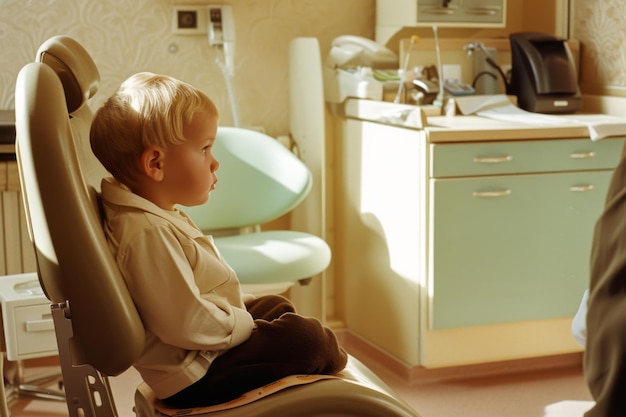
[16,385]
[88,393]
[36,386]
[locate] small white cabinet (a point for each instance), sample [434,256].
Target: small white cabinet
[27,324]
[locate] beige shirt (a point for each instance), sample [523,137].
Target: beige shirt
[189,299]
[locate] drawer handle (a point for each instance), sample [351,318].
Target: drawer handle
[438,10]
[491,194]
[39,325]
[581,188]
[582,155]
[492,159]
[481,11]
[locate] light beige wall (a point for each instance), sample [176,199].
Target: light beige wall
[600,25]
[129,36]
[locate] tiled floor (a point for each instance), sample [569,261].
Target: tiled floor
[556,393]
[560,392]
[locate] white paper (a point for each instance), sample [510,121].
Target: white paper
[512,113]
[600,125]
[499,107]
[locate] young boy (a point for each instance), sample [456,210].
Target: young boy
[206,342]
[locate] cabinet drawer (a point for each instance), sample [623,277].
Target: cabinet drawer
[35,331]
[493,158]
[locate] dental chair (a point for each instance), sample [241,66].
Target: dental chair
[99,331]
[259,181]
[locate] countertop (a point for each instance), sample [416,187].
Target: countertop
[477,128]
[473,128]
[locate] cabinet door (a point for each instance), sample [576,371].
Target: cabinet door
[511,248]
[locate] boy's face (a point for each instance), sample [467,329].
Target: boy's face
[190,174]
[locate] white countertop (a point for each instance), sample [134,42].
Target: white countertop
[460,128]
[477,128]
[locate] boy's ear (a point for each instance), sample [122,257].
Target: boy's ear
[152,161]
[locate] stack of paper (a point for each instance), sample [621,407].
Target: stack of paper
[501,108]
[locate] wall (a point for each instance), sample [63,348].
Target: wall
[129,36]
[125,37]
[600,27]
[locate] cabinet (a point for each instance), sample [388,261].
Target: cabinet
[469,249]
[461,12]
[392,15]
[27,324]
[511,228]
[380,237]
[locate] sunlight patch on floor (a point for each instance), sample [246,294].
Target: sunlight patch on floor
[568,409]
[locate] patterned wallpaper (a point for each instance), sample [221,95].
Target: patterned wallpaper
[129,36]
[601,28]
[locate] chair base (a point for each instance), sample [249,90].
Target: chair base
[35,386]
[358,393]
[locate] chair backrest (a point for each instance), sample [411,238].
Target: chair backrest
[74,261]
[259,181]
[80,79]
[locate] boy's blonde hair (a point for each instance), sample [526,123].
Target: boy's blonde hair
[147,110]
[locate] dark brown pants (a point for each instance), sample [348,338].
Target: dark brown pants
[283,344]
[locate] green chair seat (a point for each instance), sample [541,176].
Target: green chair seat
[274,256]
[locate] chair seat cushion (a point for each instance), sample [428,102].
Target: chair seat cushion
[356,392]
[274,256]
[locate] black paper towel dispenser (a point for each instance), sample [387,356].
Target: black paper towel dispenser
[543,74]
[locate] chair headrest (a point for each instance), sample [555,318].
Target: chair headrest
[74,66]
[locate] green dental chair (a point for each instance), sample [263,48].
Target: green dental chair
[259,181]
[99,331]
